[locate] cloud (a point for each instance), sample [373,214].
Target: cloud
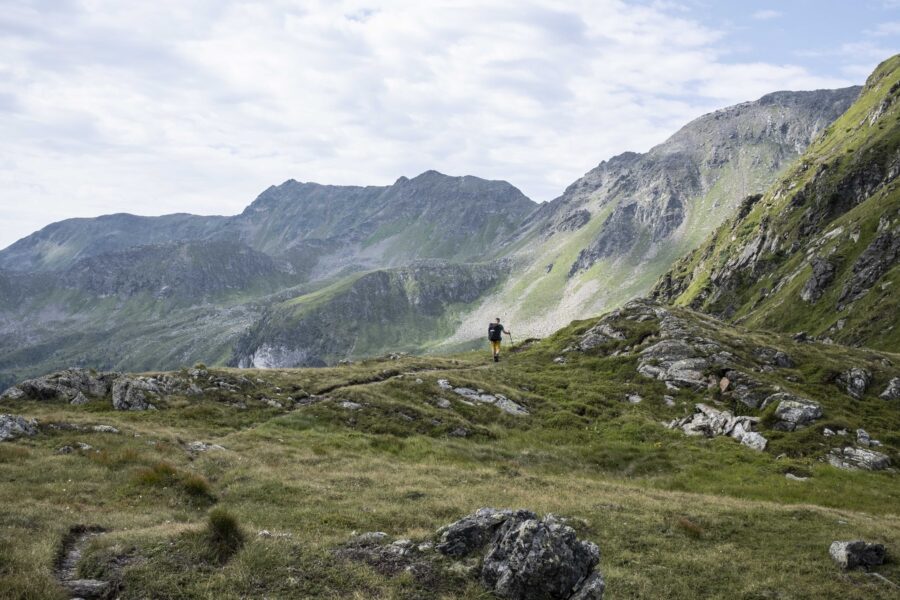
[766,14]
[171,106]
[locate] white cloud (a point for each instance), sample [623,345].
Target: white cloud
[766,14]
[168,106]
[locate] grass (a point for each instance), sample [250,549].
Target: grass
[674,516]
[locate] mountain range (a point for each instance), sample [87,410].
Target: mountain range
[312,274]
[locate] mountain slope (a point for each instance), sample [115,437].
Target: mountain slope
[617,229]
[820,250]
[403,309]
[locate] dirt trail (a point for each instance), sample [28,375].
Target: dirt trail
[73,545]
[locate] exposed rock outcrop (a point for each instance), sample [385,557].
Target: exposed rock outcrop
[892,391]
[526,558]
[858,458]
[481,397]
[70,385]
[132,394]
[793,412]
[15,426]
[710,422]
[821,278]
[855,381]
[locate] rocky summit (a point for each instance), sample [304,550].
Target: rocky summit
[701,400]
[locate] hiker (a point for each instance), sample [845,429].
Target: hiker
[495,335]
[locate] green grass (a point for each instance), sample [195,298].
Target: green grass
[674,516]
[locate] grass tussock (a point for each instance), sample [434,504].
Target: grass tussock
[164,475]
[223,535]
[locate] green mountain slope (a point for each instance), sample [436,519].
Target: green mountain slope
[613,232]
[819,251]
[404,309]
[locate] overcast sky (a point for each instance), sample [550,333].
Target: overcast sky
[164,106]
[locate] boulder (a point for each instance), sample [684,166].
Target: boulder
[498,400]
[793,412]
[857,553]
[856,381]
[13,393]
[15,426]
[537,560]
[526,558]
[599,334]
[858,458]
[131,394]
[474,531]
[892,391]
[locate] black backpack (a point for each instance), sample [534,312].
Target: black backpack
[495,332]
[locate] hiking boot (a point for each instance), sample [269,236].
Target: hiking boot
[496,358]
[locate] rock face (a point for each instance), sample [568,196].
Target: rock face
[793,412]
[651,193]
[892,391]
[709,422]
[858,458]
[856,381]
[850,555]
[822,276]
[14,426]
[526,558]
[799,222]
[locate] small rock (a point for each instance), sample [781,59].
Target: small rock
[862,438]
[669,401]
[104,429]
[371,537]
[853,554]
[444,384]
[84,447]
[65,450]
[459,432]
[559,360]
[203,447]
[827,432]
[347,405]
[634,398]
[273,403]
[754,440]
[892,391]
[419,381]
[442,403]
[13,393]
[793,477]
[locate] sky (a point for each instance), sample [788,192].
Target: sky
[198,106]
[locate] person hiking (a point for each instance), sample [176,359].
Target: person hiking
[495,335]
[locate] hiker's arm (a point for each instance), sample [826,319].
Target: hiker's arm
[507,331]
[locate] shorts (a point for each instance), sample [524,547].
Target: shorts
[495,346]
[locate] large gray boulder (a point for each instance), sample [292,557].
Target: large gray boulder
[858,458]
[857,553]
[856,381]
[538,560]
[526,558]
[131,394]
[14,426]
[793,412]
[892,391]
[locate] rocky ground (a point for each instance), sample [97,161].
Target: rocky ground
[653,440]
